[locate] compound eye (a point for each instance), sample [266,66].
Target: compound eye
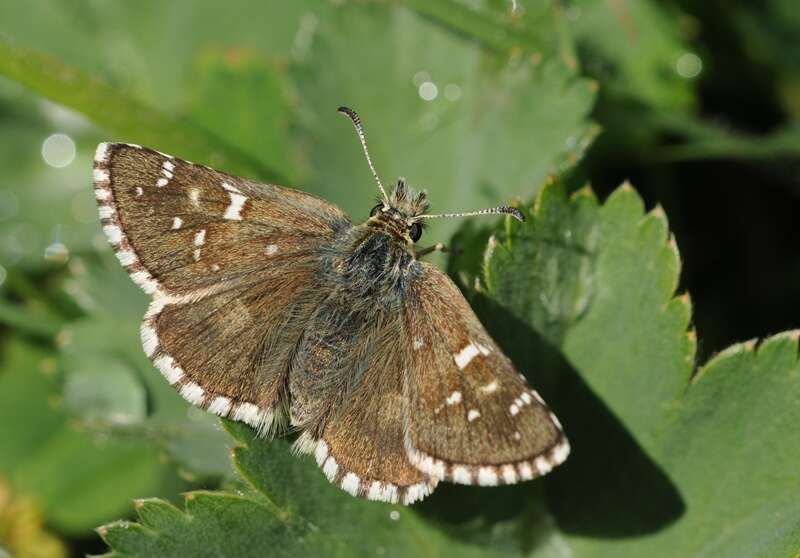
[375,210]
[415,232]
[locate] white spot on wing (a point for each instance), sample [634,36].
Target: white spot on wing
[561,452]
[416,492]
[113,233]
[176,223]
[543,465]
[509,474]
[234,210]
[100,175]
[247,412]
[425,463]
[454,398]
[194,196]
[321,452]
[126,257]
[418,344]
[199,240]
[376,491]
[229,188]
[487,476]
[351,483]
[330,468]
[145,281]
[105,211]
[491,387]
[271,249]
[465,356]
[513,409]
[193,393]
[166,170]
[220,406]
[461,475]
[473,414]
[139,191]
[169,369]
[156,306]
[149,338]
[390,494]
[101,154]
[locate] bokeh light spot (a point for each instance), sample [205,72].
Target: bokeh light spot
[428,91]
[420,78]
[58,150]
[452,92]
[689,65]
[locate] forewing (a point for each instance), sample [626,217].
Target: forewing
[231,265]
[473,419]
[178,227]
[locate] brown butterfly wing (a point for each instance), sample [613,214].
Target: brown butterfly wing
[231,267]
[347,387]
[178,227]
[472,418]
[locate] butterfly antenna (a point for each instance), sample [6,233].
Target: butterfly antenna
[360,131]
[502,210]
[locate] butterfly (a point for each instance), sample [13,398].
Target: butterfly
[269,305]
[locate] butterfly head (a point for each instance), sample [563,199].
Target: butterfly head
[399,215]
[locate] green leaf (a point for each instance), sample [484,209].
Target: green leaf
[102,388]
[290,509]
[76,477]
[109,347]
[702,467]
[634,48]
[699,461]
[256,96]
[667,461]
[493,27]
[113,110]
[40,206]
[491,128]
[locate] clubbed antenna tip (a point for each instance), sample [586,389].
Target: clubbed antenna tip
[516,213]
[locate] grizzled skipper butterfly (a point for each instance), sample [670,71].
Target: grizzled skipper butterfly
[269,303]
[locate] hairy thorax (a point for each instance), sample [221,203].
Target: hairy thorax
[374,261]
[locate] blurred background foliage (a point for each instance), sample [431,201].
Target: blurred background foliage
[698,103]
